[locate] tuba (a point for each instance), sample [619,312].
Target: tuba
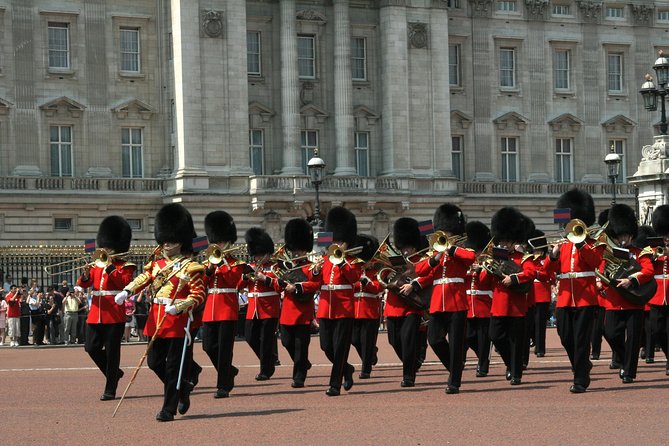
[392,279]
[622,266]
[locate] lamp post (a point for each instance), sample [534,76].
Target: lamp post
[612,161]
[316,167]
[650,93]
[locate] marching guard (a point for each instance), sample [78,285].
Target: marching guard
[624,318]
[106,316]
[176,287]
[223,275]
[448,305]
[479,298]
[509,303]
[574,265]
[298,286]
[367,293]
[264,302]
[659,304]
[336,304]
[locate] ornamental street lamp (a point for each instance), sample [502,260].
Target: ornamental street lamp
[650,93]
[613,161]
[316,167]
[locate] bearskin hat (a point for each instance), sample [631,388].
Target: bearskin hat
[581,204]
[343,225]
[114,233]
[509,225]
[449,218]
[539,235]
[258,242]
[406,233]
[478,235]
[603,217]
[175,224]
[645,232]
[298,235]
[369,246]
[220,227]
[661,220]
[622,221]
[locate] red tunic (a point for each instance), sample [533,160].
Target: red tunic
[575,272]
[661,266]
[336,297]
[296,311]
[186,284]
[264,302]
[103,308]
[504,301]
[396,306]
[479,296]
[14,305]
[612,299]
[222,291]
[368,299]
[448,280]
[543,281]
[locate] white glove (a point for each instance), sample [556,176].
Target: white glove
[171,309]
[121,297]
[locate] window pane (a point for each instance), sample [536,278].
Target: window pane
[125,161]
[66,159]
[54,134]
[66,134]
[454,64]
[125,136]
[55,160]
[358,55]
[58,45]
[129,50]
[253,52]
[305,56]
[136,136]
[507,68]
[363,169]
[137,162]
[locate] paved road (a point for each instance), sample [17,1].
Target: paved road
[50,396]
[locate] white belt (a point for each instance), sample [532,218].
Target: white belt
[446,280]
[263,294]
[576,275]
[222,290]
[479,293]
[365,295]
[662,276]
[105,293]
[166,300]
[336,287]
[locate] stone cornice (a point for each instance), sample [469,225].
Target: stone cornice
[590,10]
[643,14]
[481,8]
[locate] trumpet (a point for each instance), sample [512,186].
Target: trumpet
[439,242]
[215,254]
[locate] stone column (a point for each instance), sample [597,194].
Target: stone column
[290,91]
[440,92]
[189,157]
[343,86]
[395,84]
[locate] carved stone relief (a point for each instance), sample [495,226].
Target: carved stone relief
[211,23]
[417,35]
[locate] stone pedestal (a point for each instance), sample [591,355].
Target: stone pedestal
[652,177]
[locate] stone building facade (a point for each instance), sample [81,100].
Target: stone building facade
[117,107]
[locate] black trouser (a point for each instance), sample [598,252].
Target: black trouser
[403,337]
[365,332]
[81,328]
[597,331]
[450,352]
[506,333]
[623,331]
[422,342]
[528,335]
[38,332]
[261,337]
[103,345]
[296,340]
[335,339]
[649,344]
[218,341]
[574,329]
[659,321]
[24,332]
[478,339]
[164,359]
[540,318]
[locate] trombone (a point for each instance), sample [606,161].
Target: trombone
[439,242]
[100,258]
[336,254]
[575,231]
[215,254]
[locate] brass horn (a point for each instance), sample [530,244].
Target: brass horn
[440,242]
[337,254]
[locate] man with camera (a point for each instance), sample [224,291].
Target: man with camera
[13,299]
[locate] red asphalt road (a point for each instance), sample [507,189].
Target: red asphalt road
[50,396]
